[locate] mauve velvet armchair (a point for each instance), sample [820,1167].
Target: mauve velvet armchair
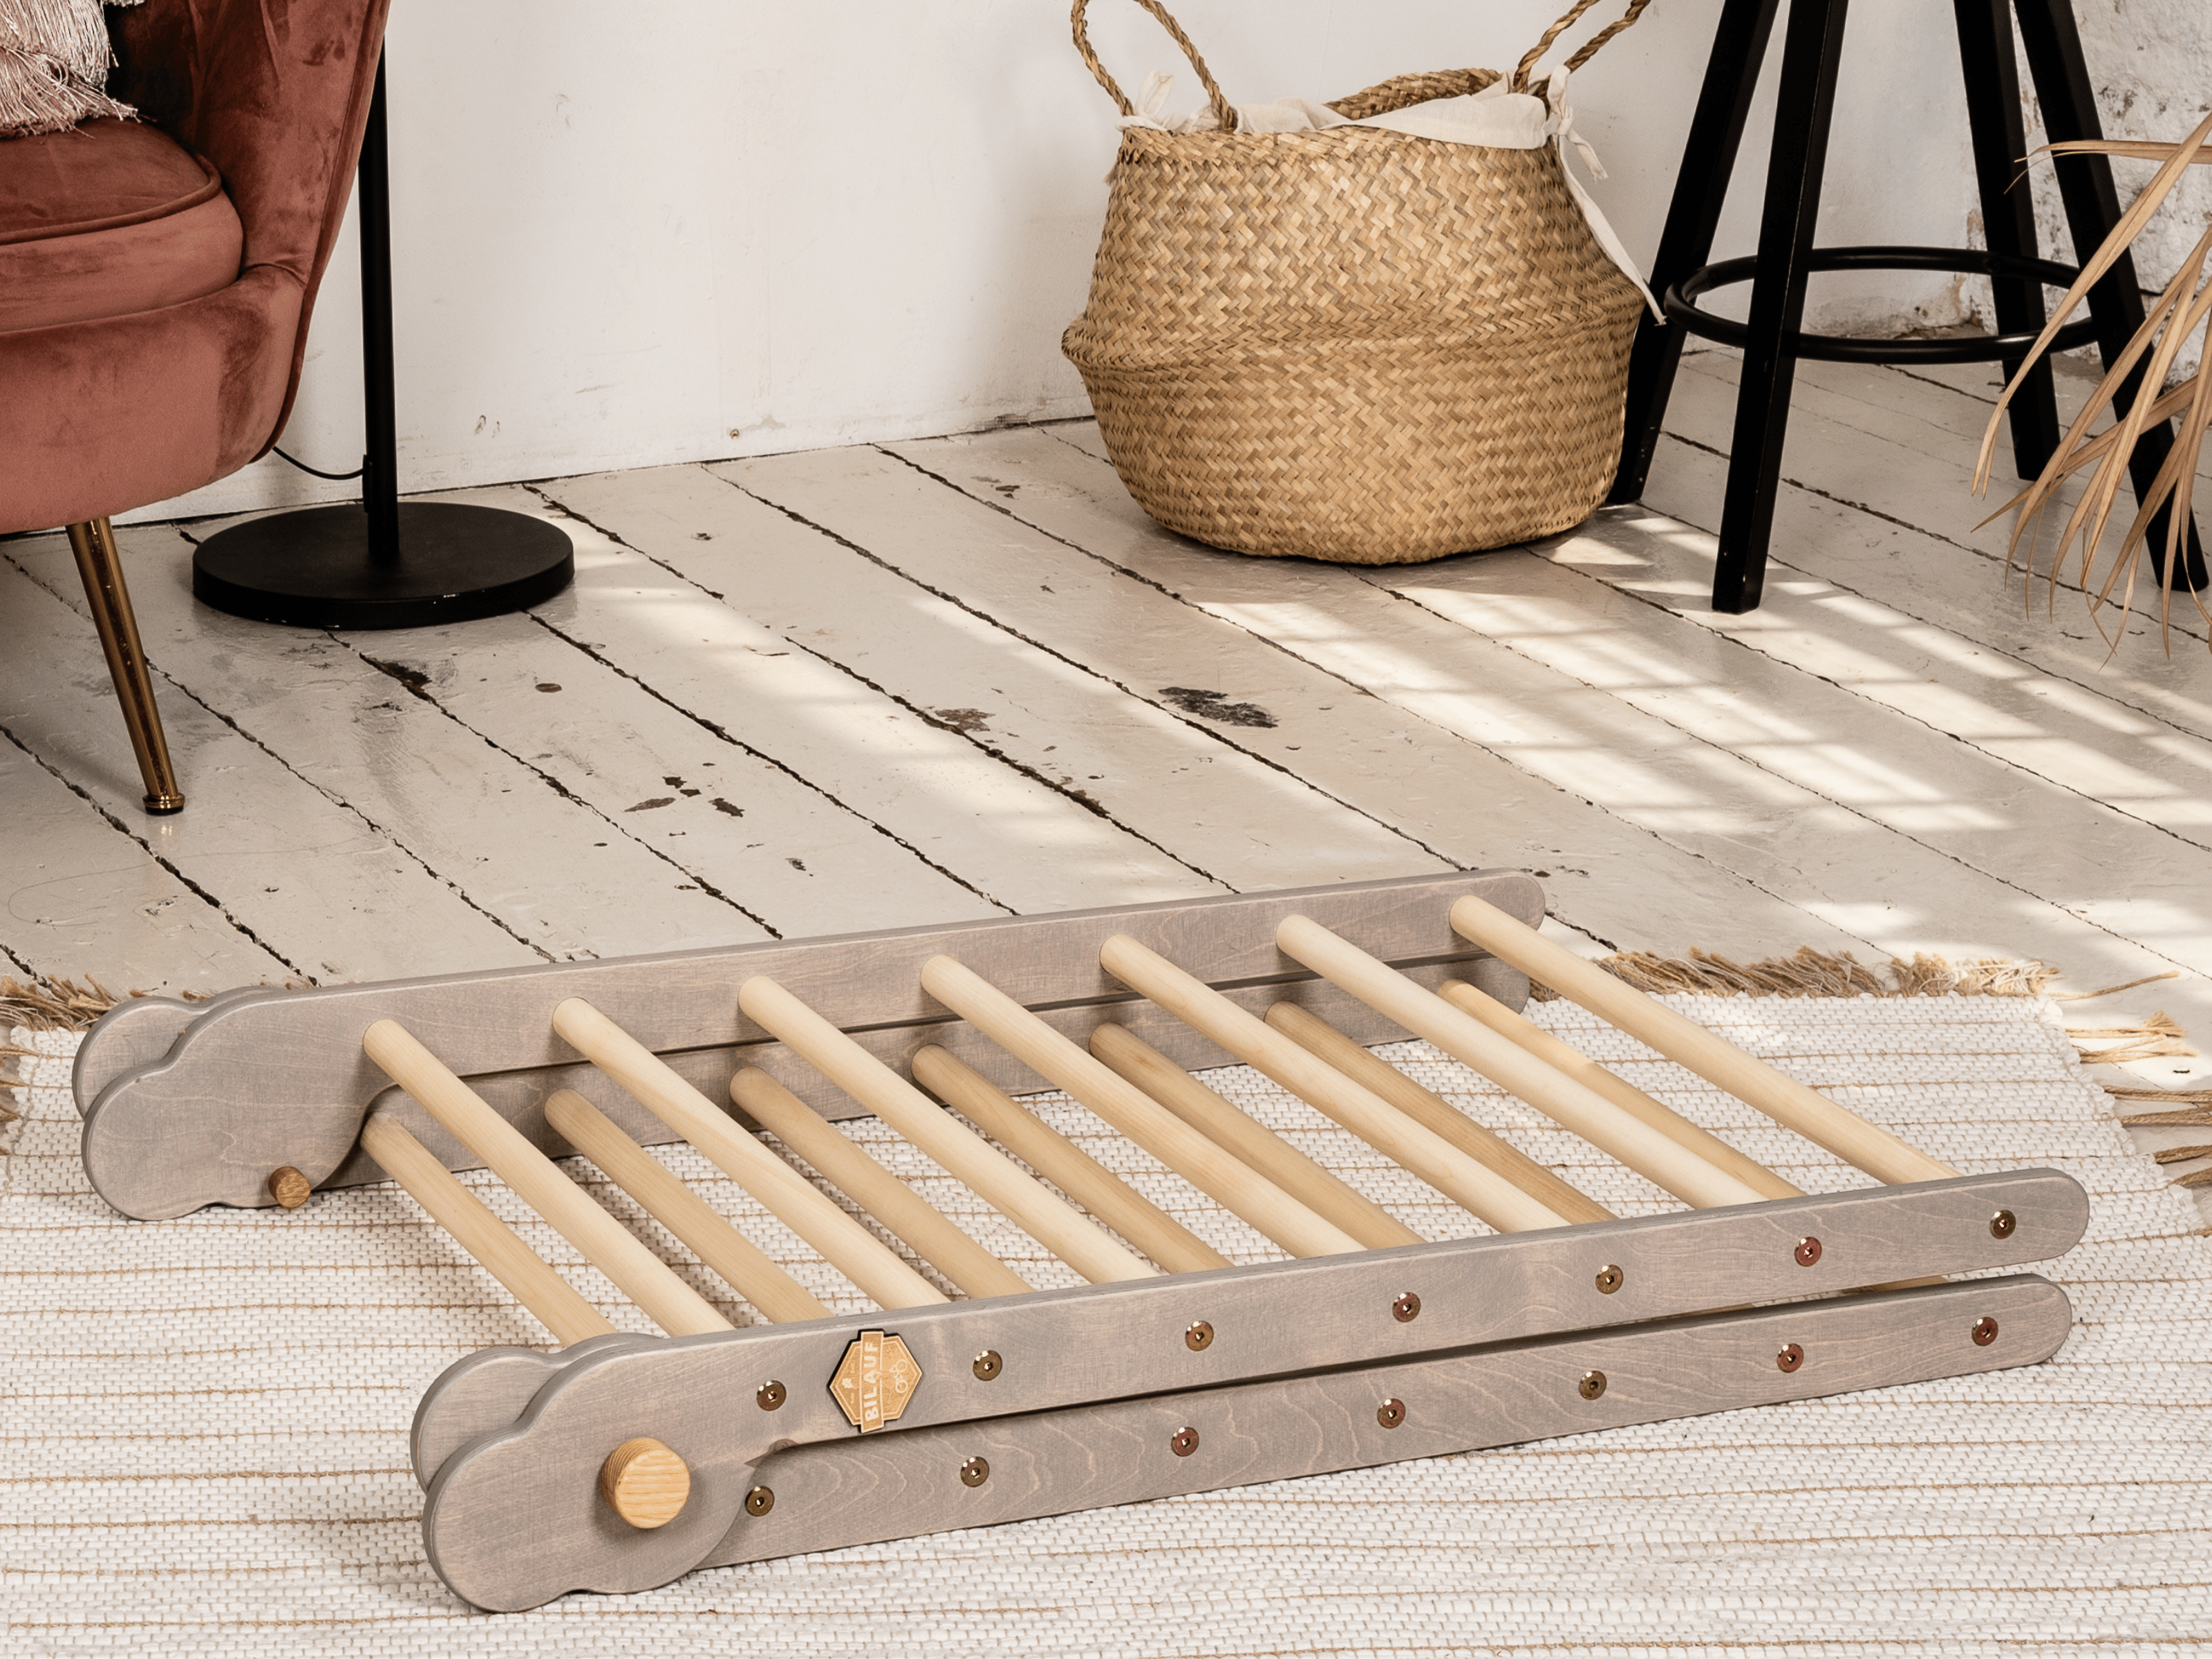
[155,280]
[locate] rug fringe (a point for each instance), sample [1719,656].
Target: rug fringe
[2152,1039]
[2113,990]
[1810,973]
[2184,1107]
[56,1005]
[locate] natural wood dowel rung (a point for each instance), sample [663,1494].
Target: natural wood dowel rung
[550,1298]
[794,1199]
[1520,1073]
[778,1297]
[1482,1192]
[1564,1056]
[1311,1032]
[1015,1194]
[1067,1165]
[897,1206]
[1235,1132]
[1720,1062]
[1211,1169]
[606,1244]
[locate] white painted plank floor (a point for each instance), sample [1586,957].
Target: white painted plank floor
[922,681]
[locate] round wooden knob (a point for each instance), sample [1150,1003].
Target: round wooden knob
[289,1186]
[645,1483]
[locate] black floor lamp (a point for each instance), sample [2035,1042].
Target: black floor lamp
[384,562]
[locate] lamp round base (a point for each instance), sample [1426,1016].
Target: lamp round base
[311,568]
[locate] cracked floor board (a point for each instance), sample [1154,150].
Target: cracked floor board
[2091,747]
[1773,773]
[1960,595]
[559,876]
[1983,857]
[1227,814]
[79,896]
[310,878]
[1450,795]
[1935,631]
[1969,393]
[722,815]
[1008,839]
[1915,473]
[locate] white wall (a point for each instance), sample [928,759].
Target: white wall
[684,229]
[2152,64]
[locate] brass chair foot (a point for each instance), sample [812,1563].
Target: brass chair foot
[101,570]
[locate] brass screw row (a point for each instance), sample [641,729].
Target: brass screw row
[1184,1442]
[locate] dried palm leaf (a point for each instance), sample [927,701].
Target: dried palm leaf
[2180,312]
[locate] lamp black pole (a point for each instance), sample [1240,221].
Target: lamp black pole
[379,460]
[385,563]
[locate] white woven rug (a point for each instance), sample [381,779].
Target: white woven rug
[205,1427]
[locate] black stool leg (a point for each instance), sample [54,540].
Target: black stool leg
[2093,207]
[1700,191]
[2000,139]
[1812,45]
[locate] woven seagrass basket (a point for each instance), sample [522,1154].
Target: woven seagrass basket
[1353,344]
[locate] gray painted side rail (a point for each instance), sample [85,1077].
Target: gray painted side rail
[190,1105]
[514,1519]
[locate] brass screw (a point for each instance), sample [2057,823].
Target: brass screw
[1609,1279]
[1789,1358]
[974,1472]
[1185,1441]
[1390,1413]
[289,1186]
[1808,1252]
[1199,1338]
[1406,1309]
[2002,1223]
[1985,1332]
[988,1365]
[771,1395]
[1592,1385]
[759,1501]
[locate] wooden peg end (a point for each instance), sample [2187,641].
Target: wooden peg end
[645,1483]
[289,1186]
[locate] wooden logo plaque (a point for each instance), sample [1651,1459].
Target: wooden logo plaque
[874,1381]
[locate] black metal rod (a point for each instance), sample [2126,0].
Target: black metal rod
[1692,218]
[379,461]
[2093,207]
[1682,298]
[2000,141]
[1812,43]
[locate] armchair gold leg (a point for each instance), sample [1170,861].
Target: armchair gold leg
[93,544]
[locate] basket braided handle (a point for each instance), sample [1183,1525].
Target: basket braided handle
[1589,47]
[1222,112]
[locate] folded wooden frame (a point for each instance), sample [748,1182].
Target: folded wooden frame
[618,1462]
